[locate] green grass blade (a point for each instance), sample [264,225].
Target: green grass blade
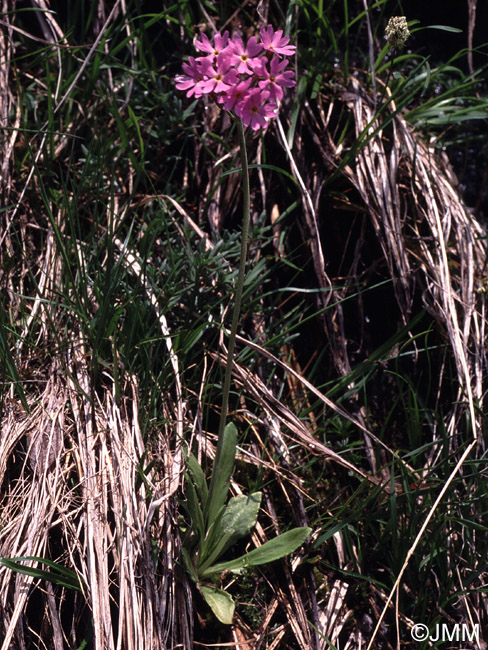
[8,363]
[59,575]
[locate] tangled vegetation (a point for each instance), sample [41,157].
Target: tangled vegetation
[359,378]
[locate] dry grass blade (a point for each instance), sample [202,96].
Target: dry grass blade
[6,102]
[274,408]
[329,403]
[333,321]
[471,26]
[333,617]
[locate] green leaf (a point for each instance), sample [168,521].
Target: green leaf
[220,602]
[59,575]
[236,521]
[188,564]
[273,550]
[221,472]
[198,478]
[192,506]
[445,28]
[213,543]
[240,516]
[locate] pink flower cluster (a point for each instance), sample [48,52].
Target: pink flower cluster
[245,78]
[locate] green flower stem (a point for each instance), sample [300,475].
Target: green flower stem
[240,280]
[220,467]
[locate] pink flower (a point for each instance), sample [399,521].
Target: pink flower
[193,79]
[218,78]
[244,56]
[235,94]
[238,76]
[255,110]
[275,80]
[275,42]
[205,45]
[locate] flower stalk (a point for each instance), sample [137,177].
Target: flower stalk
[240,277]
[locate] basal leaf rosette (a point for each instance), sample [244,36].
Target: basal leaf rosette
[246,78]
